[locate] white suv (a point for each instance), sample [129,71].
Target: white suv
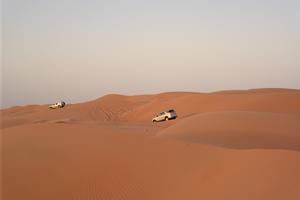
[165,116]
[57,105]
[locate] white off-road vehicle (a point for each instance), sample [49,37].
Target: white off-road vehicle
[60,104]
[165,116]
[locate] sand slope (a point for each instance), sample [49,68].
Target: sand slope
[59,161]
[224,145]
[187,104]
[239,129]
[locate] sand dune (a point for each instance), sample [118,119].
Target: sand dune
[224,145]
[143,108]
[59,161]
[282,101]
[239,129]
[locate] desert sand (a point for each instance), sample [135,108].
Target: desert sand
[223,145]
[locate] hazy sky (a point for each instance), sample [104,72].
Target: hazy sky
[78,50]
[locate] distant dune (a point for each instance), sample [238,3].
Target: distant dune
[142,108]
[224,145]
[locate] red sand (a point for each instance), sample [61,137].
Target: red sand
[224,145]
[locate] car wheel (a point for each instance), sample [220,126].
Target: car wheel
[166,118]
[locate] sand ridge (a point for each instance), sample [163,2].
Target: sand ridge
[142,108]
